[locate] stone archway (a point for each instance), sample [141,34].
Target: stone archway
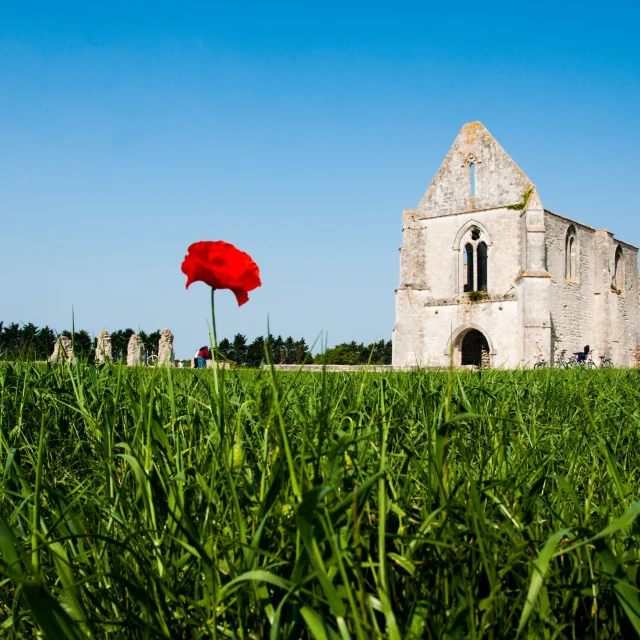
[474,349]
[471,335]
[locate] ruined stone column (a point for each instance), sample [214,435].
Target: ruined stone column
[408,332]
[103,347]
[134,351]
[62,351]
[165,349]
[413,268]
[534,287]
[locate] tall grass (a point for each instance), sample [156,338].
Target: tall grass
[141,503]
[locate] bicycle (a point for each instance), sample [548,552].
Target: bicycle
[541,362]
[562,362]
[582,359]
[150,359]
[606,363]
[586,362]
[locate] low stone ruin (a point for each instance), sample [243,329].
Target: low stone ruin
[165,349]
[134,351]
[62,351]
[103,347]
[210,365]
[218,365]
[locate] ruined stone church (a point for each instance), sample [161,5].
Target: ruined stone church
[489,275]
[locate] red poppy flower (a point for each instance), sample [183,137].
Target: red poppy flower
[222,266]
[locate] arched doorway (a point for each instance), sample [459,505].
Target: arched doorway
[474,349]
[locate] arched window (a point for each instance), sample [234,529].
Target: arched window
[618,270]
[472,246]
[481,281]
[571,255]
[468,267]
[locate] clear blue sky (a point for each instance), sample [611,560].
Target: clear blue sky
[296,131]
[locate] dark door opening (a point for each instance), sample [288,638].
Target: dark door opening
[475,349]
[481,283]
[468,265]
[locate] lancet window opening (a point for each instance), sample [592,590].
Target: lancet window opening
[472,169]
[618,270]
[471,163]
[481,250]
[468,268]
[571,255]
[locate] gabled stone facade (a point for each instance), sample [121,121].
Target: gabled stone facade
[490,277]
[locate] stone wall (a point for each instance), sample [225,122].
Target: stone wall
[496,320]
[623,306]
[573,305]
[444,247]
[498,179]
[333,368]
[427,318]
[218,365]
[585,309]
[344,368]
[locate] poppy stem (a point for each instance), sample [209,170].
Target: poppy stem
[213,320]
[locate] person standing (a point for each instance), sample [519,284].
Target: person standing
[202,355]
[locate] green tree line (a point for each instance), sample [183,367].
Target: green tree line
[353,353]
[283,351]
[291,351]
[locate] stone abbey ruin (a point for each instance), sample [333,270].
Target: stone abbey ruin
[491,276]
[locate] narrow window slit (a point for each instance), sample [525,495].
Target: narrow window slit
[472,172]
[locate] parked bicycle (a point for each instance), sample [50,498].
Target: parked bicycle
[605,362]
[581,359]
[541,363]
[563,362]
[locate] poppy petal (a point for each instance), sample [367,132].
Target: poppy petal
[222,266]
[241,296]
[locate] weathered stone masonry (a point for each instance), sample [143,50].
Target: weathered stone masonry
[488,274]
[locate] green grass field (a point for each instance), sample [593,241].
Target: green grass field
[150,503]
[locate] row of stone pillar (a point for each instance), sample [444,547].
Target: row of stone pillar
[63,350]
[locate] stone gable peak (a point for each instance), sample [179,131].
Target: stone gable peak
[477,173]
